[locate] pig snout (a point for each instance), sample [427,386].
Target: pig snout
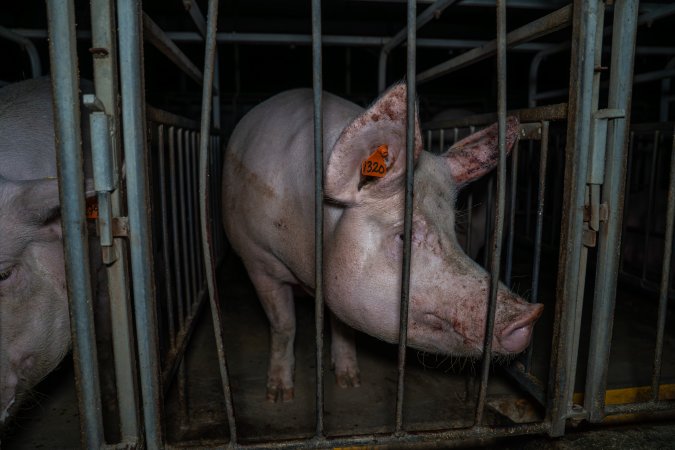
[515,336]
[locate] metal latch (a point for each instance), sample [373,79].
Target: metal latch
[597,212]
[102,165]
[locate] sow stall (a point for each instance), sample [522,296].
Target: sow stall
[190,341]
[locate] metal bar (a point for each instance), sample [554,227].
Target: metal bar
[133,120]
[512,216]
[650,202]
[166,118]
[116,260]
[189,151]
[665,278]
[184,231]
[549,112]
[541,197]
[175,225]
[65,88]
[166,242]
[411,112]
[528,382]
[205,213]
[533,30]
[572,254]
[28,46]
[317,83]
[158,38]
[433,11]
[665,91]
[396,440]
[496,244]
[636,408]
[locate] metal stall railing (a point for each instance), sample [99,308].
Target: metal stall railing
[172,174]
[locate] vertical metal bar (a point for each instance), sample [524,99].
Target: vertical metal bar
[175,227]
[205,212]
[189,151]
[499,212]
[317,82]
[650,202]
[407,218]
[441,141]
[613,190]
[489,203]
[166,242]
[184,231]
[429,139]
[512,216]
[63,57]
[133,120]
[665,278]
[541,197]
[572,252]
[116,260]
[627,188]
[469,220]
[195,212]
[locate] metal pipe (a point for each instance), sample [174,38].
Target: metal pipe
[158,38]
[184,231]
[665,90]
[106,85]
[63,57]
[205,213]
[571,277]
[175,230]
[28,46]
[541,197]
[533,30]
[411,112]
[433,11]
[512,216]
[317,84]
[133,120]
[496,243]
[665,278]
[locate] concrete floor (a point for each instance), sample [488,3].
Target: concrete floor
[435,395]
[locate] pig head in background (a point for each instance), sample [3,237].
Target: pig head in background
[34,319]
[268,211]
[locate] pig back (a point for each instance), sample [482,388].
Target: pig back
[268,182]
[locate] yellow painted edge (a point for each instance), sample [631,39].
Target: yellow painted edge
[631,395]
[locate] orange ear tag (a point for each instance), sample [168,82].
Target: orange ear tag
[92,208]
[375,165]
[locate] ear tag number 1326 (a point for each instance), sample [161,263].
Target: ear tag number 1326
[375,165]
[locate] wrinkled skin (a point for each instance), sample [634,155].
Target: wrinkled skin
[34,319]
[268,214]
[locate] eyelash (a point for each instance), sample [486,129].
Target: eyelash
[5,275]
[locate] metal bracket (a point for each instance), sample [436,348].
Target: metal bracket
[596,174]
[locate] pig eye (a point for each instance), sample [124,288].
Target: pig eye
[5,274]
[401,236]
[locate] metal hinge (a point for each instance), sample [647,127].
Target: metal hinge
[595,211]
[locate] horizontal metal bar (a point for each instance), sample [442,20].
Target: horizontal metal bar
[393,440]
[533,30]
[425,17]
[539,113]
[166,118]
[635,408]
[654,76]
[157,37]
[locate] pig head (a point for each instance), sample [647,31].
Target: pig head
[34,319]
[269,218]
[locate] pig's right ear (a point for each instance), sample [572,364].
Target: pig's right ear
[477,154]
[383,124]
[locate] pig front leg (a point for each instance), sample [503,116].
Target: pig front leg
[343,354]
[277,301]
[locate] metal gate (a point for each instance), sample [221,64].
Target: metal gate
[157,178]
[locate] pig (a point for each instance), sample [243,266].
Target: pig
[268,212]
[34,317]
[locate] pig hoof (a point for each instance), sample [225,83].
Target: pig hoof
[348,378]
[279,393]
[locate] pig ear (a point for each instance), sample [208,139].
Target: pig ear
[384,123]
[477,154]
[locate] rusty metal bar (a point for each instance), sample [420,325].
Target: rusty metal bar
[555,112]
[175,225]
[571,273]
[665,278]
[496,244]
[533,30]
[65,90]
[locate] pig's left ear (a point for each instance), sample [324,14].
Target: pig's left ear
[477,154]
[383,124]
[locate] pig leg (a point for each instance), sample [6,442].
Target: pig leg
[343,354]
[277,301]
